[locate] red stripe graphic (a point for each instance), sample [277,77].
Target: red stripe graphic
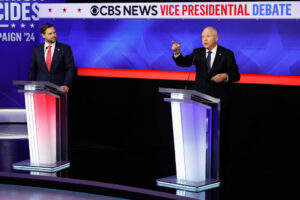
[180,75]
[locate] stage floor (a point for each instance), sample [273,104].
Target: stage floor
[15,192]
[97,179]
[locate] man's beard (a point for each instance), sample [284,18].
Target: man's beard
[51,42]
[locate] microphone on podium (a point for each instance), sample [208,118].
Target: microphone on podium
[189,73]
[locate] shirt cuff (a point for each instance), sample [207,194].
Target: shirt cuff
[227,78]
[177,55]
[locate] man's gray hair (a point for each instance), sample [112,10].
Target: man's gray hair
[213,29]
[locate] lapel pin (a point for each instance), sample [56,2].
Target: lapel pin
[220,54]
[58,49]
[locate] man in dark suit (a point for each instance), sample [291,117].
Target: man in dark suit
[215,65]
[216,69]
[52,61]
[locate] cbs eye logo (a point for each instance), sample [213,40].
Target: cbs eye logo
[94,10]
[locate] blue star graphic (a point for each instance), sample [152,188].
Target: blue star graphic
[270,55]
[99,54]
[143,52]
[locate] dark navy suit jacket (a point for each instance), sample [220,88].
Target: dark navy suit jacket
[224,63]
[62,69]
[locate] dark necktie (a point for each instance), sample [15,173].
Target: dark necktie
[48,58]
[208,61]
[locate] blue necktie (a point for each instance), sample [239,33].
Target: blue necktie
[208,61]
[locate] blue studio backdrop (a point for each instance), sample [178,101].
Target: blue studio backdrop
[19,33]
[264,46]
[260,46]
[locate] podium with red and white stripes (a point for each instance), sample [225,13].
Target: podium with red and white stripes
[46,113]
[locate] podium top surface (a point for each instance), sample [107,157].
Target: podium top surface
[39,86]
[191,94]
[38,83]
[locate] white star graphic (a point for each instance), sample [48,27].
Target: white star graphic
[23,25]
[13,25]
[32,25]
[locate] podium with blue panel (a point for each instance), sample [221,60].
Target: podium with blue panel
[46,114]
[195,118]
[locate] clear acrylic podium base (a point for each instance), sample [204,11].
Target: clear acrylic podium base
[27,166]
[173,182]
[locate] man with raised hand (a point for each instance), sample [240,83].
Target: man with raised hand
[215,65]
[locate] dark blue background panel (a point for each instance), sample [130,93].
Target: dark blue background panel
[19,33]
[260,46]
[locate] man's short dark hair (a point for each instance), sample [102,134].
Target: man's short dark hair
[44,27]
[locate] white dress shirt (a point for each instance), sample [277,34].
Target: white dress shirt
[46,49]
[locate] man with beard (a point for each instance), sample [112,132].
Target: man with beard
[52,61]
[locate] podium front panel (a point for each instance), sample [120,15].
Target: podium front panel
[42,123]
[191,139]
[46,124]
[195,120]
